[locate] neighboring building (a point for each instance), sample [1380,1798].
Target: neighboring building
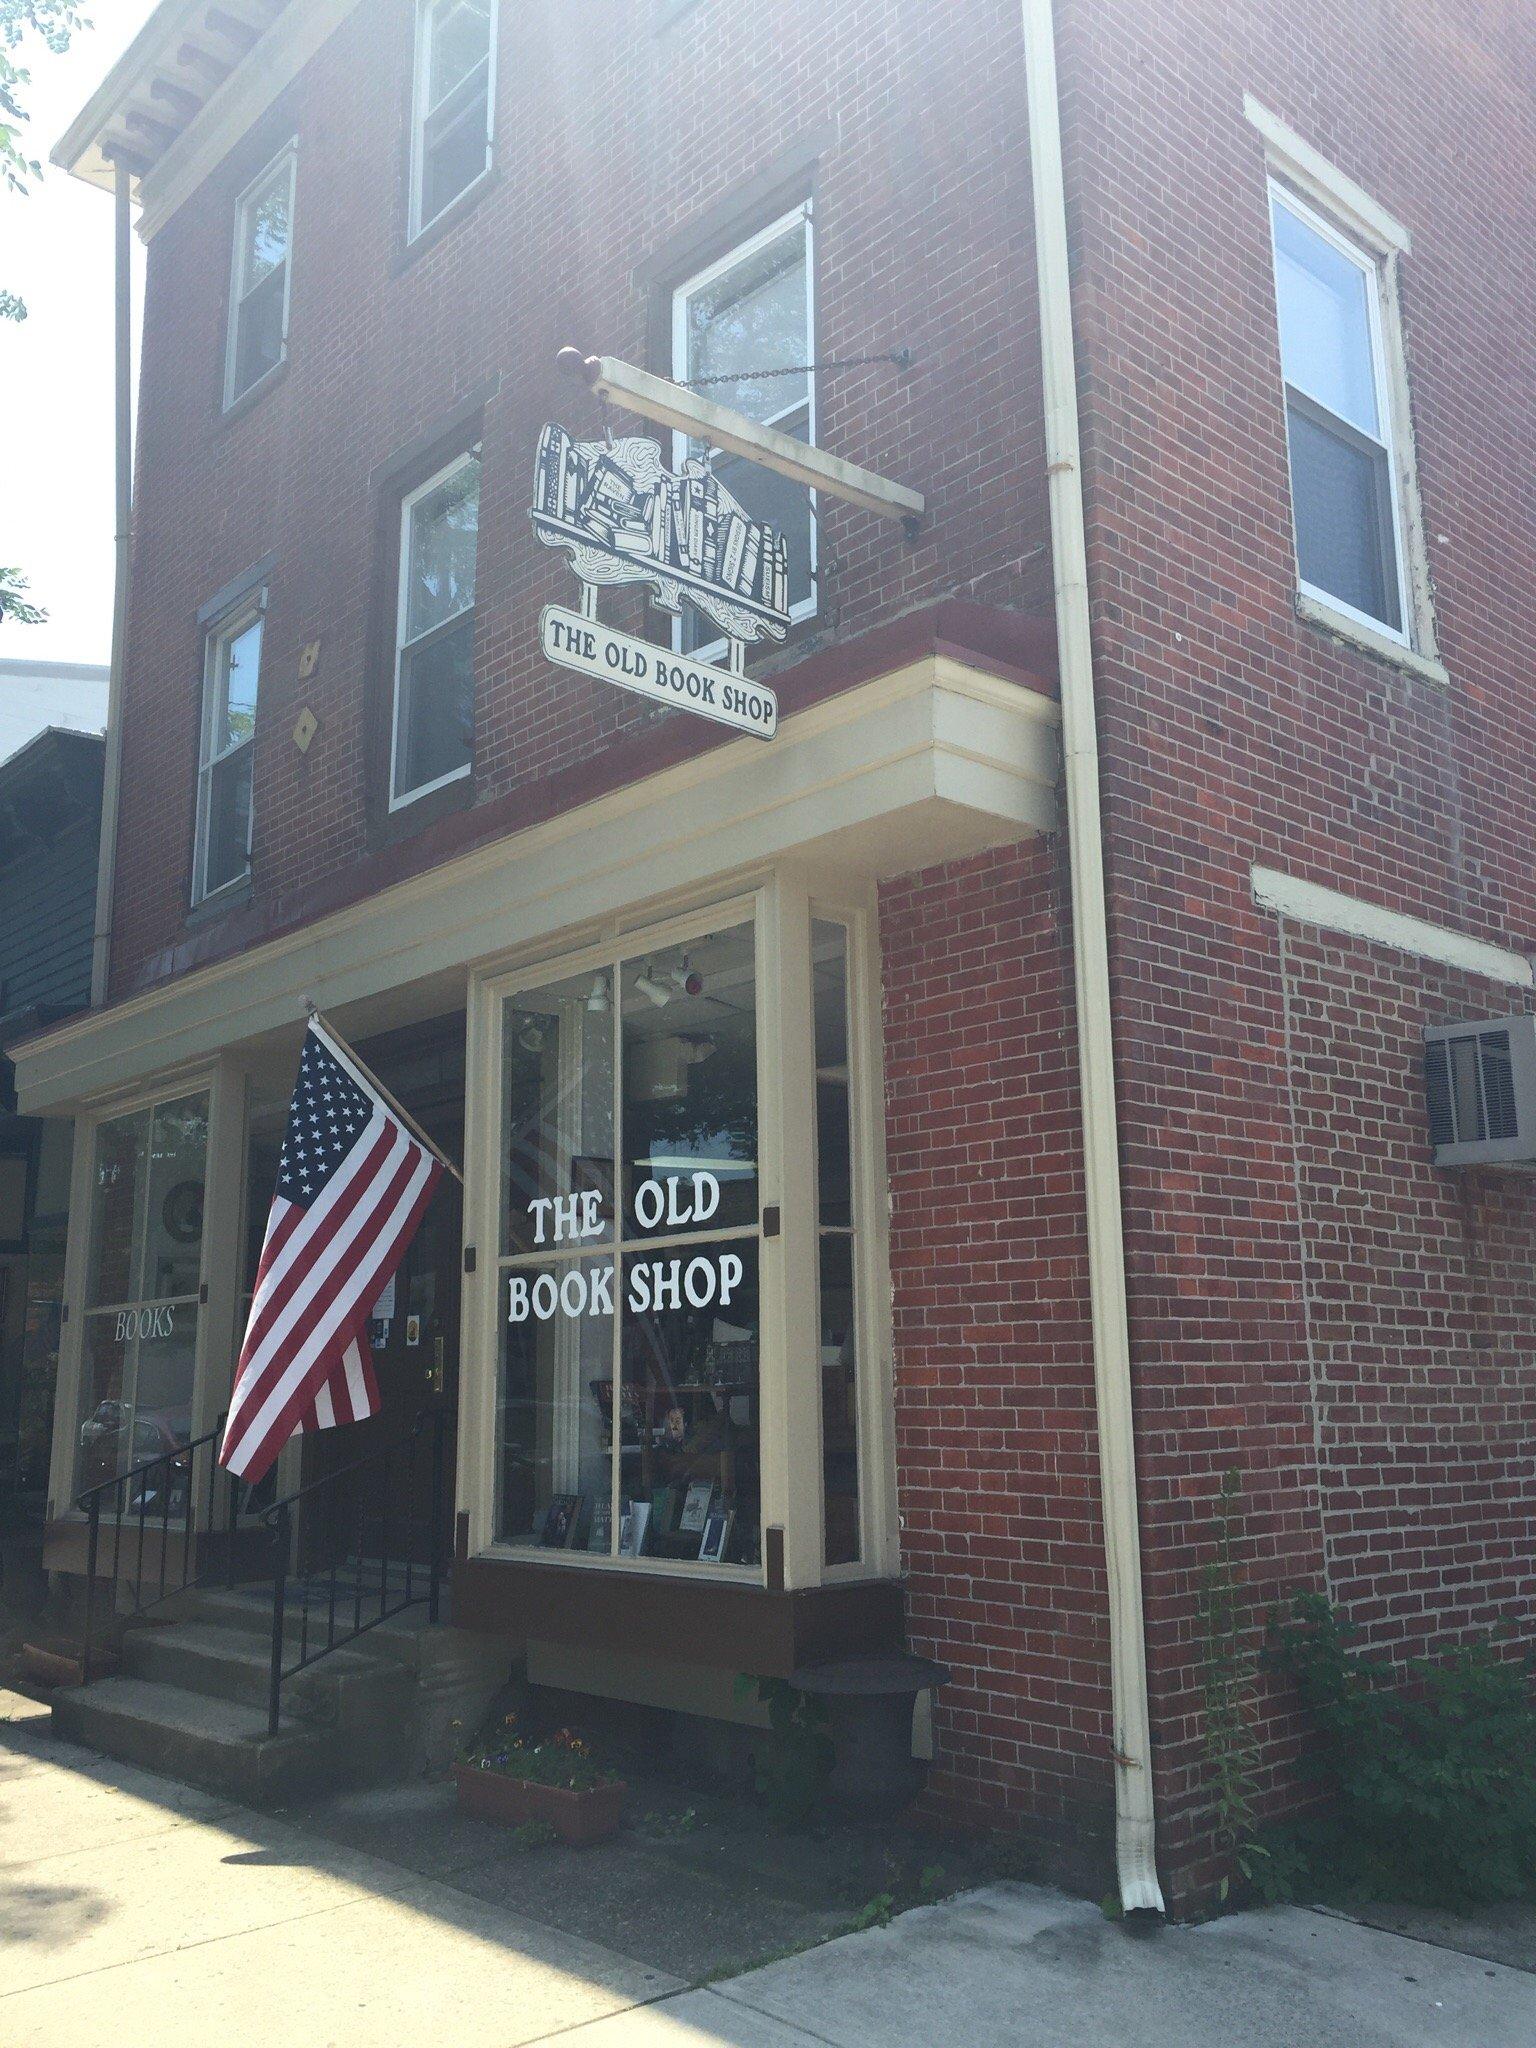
[70,696]
[608,947]
[50,818]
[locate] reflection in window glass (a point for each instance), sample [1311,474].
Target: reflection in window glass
[258,314]
[145,1266]
[555,1415]
[435,665]
[638,1247]
[1343,490]
[834,1184]
[748,313]
[453,107]
[690,1087]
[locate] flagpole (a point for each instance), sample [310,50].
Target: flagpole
[366,1074]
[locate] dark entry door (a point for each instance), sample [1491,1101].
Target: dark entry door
[379,1505]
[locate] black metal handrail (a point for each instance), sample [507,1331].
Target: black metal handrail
[322,1502]
[171,1465]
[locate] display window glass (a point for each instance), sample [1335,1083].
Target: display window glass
[148,1174]
[628,1411]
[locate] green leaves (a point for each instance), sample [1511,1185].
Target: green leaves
[14,608]
[1431,1766]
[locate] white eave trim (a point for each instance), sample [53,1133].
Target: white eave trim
[926,764]
[1312,903]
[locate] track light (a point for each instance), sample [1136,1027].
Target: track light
[531,1037]
[653,990]
[688,978]
[599,1002]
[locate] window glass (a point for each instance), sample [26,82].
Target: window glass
[435,687]
[1343,510]
[748,314]
[453,102]
[259,297]
[121,1148]
[145,1267]
[690,1087]
[229,725]
[557,1062]
[1325,324]
[835,1244]
[632,1257]
[1342,482]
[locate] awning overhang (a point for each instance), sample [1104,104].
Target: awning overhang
[931,762]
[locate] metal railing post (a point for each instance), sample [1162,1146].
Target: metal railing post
[435,1533]
[279,1597]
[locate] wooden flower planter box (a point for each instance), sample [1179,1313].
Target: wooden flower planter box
[577,1817]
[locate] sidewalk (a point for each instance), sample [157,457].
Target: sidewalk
[126,1899]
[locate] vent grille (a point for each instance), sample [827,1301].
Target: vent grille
[1470,1086]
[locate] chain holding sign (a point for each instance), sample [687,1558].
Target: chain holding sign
[625,518]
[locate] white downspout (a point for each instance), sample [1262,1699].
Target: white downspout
[1135,1815]
[106,860]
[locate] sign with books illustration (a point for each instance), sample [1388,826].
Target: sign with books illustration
[624,518]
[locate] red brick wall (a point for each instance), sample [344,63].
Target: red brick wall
[996,1448]
[1236,732]
[613,139]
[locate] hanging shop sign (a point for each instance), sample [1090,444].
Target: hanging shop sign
[624,518]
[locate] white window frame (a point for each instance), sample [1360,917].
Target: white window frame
[791,1466]
[1370,267]
[238,292]
[740,252]
[220,633]
[1326,199]
[399,800]
[421,113]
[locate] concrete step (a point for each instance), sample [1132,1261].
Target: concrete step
[229,1663]
[249,1612]
[221,1745]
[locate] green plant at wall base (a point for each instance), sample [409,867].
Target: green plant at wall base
[793,1766]
[1432,1767]
[1229,1670]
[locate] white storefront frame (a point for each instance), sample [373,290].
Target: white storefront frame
[790,1448]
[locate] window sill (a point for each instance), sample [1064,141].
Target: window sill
[425,238]
[230,897]
[253,393]
[1339,626]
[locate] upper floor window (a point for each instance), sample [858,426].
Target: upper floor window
[1346,486]
[434,700]
[451,136]
[258,291]
[742,334]
[231,683]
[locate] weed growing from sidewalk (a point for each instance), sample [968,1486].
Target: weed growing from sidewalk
[1229,1671]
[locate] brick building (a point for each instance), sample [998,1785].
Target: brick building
[349,774]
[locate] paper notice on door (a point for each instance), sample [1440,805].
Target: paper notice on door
[384,1307]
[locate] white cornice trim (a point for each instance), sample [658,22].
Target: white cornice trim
[266,70]
[1311,903]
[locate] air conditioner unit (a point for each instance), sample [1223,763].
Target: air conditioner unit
[1480,1080]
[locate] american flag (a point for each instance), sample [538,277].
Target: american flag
[352,1183]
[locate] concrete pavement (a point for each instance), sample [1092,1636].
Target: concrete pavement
[134,1908]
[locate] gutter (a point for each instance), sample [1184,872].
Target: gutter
[106,863]
[1135,1812]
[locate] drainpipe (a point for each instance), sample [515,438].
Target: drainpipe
[106,860]
[1135,1817]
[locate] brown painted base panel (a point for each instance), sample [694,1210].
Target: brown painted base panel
[729,1627]
[66,1548]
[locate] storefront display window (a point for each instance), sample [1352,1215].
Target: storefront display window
[144,1273]
[629,1412]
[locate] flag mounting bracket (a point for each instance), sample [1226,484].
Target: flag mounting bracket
[672,405]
